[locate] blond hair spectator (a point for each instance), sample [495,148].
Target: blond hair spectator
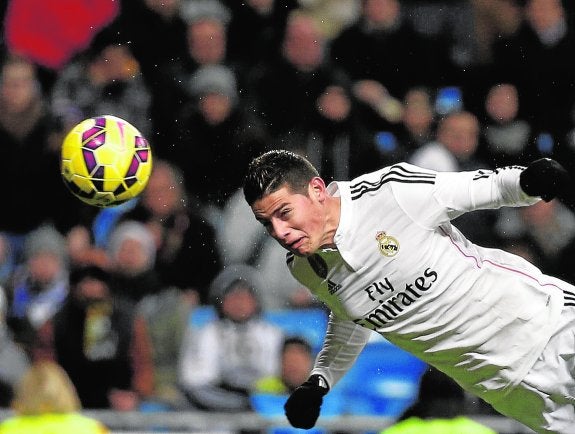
[45,402]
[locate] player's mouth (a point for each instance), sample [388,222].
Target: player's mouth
[294,246]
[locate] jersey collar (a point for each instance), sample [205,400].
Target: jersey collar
[343,239]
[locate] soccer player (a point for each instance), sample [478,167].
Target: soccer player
[381,253]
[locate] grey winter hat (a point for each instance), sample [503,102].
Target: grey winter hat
[232,274]
[46,239]
[194,10]
[134,230]
[214,79]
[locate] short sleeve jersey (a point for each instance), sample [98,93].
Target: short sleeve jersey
[401,269]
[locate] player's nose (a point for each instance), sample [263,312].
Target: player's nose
[279,229]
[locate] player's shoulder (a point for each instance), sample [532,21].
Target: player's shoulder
[409,170]
[402,171]
[399,173]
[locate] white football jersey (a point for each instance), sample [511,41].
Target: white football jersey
[401,269]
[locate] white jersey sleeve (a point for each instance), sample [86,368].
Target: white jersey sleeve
[455,193]
[344,341]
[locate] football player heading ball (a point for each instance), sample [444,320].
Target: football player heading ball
[381,253]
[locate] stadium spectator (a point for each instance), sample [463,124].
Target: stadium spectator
[455,146]
[296,363]
[335,138]
[285,90]
[256,29]
[207,29]
[40,283]
[383,46]
[222,361]
[93,337]
[105,79]
[163,319]
[46,402]
[132,252]
[451,24]
[533,59]
[13,359]
[156,33]
[206,35]
[549,227]
[493,19]
[417,126]
[28,161]
[187,254]
[214,137]
[507,138]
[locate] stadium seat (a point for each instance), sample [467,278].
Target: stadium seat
[308,323]
[384,381]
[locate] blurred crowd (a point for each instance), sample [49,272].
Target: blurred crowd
[353,85]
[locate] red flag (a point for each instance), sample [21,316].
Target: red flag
[51,32]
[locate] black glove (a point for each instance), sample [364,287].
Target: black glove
[303,405]
[544,178]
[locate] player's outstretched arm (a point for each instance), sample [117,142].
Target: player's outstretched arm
[303,406]
[545,178]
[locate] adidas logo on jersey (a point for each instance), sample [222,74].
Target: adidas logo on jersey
[333,287]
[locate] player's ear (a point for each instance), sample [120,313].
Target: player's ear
[317,188]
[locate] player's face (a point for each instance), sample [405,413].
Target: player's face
[296,221]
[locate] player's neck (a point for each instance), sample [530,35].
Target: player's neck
[332,220]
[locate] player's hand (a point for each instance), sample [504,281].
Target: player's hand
[544,178]
[303,406]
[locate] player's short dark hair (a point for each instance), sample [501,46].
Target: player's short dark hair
[275,169]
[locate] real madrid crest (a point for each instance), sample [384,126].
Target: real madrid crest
[388,245]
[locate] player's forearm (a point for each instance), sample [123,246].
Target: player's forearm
[343,342]
[482,189]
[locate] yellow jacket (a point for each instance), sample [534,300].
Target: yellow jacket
[458,425]
[69,423]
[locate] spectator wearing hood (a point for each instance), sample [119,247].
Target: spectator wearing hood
[40,283]
[222,361]
[132,253]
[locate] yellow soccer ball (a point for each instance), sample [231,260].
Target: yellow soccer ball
[105,161]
